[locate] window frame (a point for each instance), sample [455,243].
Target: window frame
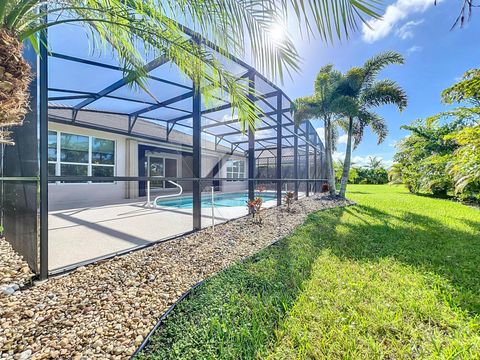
[58,163]
[240,175]
[164,158]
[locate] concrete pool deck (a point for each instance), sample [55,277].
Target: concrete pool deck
[86,233]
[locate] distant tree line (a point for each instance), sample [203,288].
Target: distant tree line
[372,173]
[441,156]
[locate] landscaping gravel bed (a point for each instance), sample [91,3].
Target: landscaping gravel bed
[14,271]
[105,310]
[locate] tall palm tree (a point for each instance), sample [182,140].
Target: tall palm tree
[323,105]
[366,92]
[232,25]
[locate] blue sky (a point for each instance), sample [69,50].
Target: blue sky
[435,58]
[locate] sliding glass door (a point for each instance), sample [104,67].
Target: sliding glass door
[161,167]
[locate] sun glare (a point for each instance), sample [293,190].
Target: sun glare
[278,32]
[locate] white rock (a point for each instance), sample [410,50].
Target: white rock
[15,287]
[125,297]
[7,290]
[25,355]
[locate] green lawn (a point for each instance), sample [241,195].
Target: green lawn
[395,277]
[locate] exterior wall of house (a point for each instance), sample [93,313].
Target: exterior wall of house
[131,167]
[73,195]
[233,186]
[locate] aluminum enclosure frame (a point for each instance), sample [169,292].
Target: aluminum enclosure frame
[276,117]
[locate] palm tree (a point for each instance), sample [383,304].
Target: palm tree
[322,105]
[374,163]
[157,25]
[395,174]
[365,92]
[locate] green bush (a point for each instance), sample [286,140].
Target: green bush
[372,176]
[441,157]
[464,165]
[375,173]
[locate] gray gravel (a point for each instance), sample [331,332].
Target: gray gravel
[104,311]
[14,271]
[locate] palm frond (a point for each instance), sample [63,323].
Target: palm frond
[345,106]
[305,108]
[358,132]
[376,123]
[326,80]
[232,25]
[384,92]
[330,18]
[378,62]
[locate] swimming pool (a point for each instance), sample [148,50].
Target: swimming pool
[220,200]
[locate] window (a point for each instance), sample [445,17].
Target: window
[52,153]
[103,157]
[80,155]
[74,155]
[235,169]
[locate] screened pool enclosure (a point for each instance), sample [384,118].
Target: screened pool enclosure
[101,168]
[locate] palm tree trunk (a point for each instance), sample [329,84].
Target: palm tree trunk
[328,155]
[348,158]
[15,77]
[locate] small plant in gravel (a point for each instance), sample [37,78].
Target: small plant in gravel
[289,197]
[325,187]
[254,207]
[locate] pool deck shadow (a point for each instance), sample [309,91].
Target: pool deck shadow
[94,230]
[82,234]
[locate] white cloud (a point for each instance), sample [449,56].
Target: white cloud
[392,142]
[361,161]
[405,31]
[342,139]
[413,49]
[376,29]
[338,155]
[387,163]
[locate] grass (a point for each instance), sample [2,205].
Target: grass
[394,277]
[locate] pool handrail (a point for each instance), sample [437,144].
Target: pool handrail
[149,203]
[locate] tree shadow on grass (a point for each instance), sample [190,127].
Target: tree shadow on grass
[417,240]
[235,314]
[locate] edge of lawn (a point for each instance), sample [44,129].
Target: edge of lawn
[146,342]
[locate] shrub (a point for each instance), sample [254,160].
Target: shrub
[325,188]
[254,206]
[289,196]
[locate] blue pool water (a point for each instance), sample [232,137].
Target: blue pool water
[221,200]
